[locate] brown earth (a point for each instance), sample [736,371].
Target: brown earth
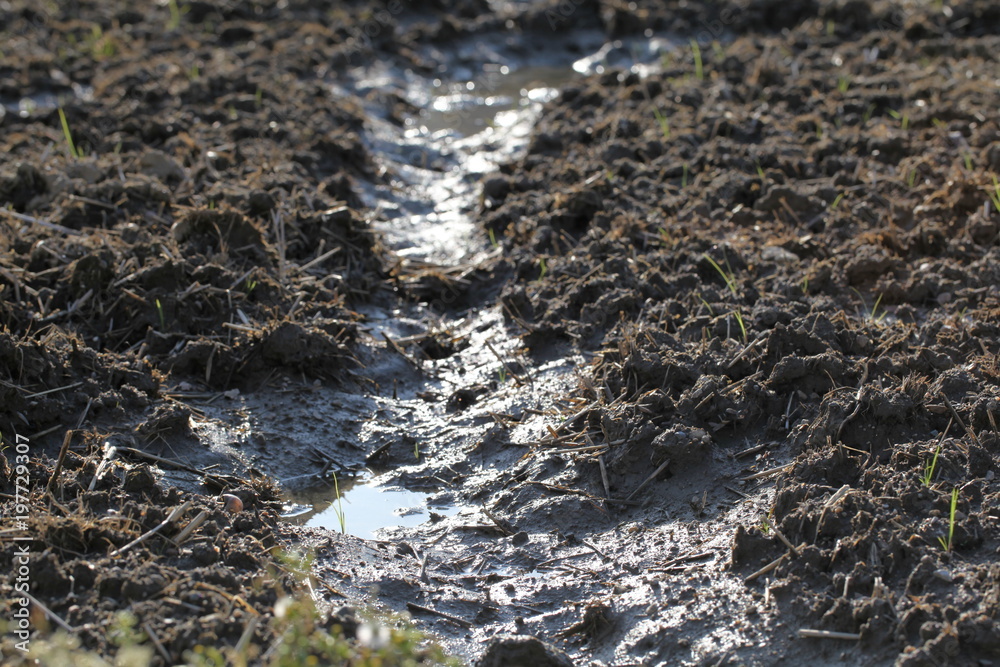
[748,305]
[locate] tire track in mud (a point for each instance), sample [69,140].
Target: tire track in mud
[536,547]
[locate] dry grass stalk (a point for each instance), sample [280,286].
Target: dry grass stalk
[178,512]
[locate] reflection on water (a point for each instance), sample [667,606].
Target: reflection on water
[364,508]
[470,107]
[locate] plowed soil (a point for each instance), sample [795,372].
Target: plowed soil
[702,350]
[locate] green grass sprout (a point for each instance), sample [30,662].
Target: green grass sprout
[699,71]
[69,137]
[903,118]
[664,123]
[726,275]
[175,15]
[950,542]
[930,467]
[339,509]
[995,194]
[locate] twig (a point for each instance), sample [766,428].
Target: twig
[109,455]
[400,350]
[752,450]
[83,415]
[52,391]
[954,413]
[746,351]
[767,568]
[308,265]
[191,527]
[649,479]
[178,511]
[42,223]
[156,642]
[241,645]
[857,403]
[59,461]
[576,415]
[784,540]
[600,553]
[219,480]
[828,634]
[837,495]
[686,557]
[413,606]
[517,378]
[48,612]
[604,476]
[559,559]
[767,473]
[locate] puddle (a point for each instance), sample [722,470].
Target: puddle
[493,101]
[365,508]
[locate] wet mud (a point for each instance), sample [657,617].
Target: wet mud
[673,324]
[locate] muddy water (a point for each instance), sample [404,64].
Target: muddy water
[466,129]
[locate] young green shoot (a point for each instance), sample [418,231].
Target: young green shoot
[868,113]
[707,305]
[730,278]
[175,15]
[718,50]
[930,467]
[502,375]
[493,238]
[684,175]
[949,543]
[69,137]
[805,285]
[726,275]
[995,194]
[836,201]
[339,509]
[543,268]
[831,27]
[760,170]
[843,84]
[739,320]
[873,313]
[664,123]
[159,311]
[967,157]
[903,118]
[699,71]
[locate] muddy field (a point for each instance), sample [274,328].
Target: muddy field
[674,325]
